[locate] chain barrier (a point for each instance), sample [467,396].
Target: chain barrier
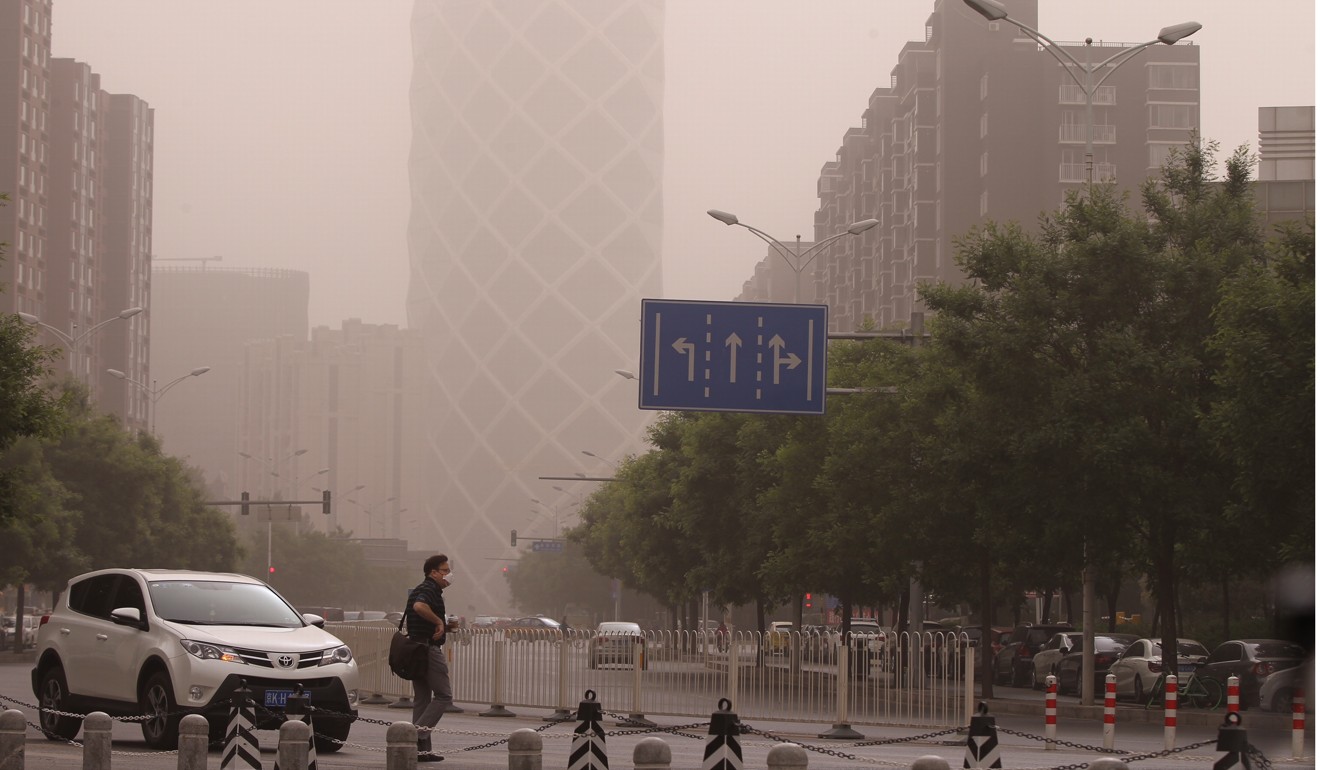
[854,757]
[1059,742]
[1130,758]
[643,728]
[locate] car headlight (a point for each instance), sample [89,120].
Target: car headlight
[211,651]
[340,654]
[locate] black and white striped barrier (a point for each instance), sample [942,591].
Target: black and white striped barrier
[723,751]
[982,740]
[241,747]
[298,708]
[588,751]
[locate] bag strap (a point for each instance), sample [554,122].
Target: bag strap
[404,616]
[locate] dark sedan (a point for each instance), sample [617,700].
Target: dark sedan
[1107,649]
[1251,660]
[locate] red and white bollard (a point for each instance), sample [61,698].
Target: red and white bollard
[1299,722]
[1233,693]
[1051,711]
[1111,708]
[1170,710]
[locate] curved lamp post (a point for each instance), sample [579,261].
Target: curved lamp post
[992,10]
[154,392]
[71,341]
[797,260]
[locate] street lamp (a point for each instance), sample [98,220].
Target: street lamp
[71,340]
[794,258]
[553,515]
[370,511]
[992,10]
[155,393]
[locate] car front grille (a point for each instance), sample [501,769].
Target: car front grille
[263,659]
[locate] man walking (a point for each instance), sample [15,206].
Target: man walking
[425,615]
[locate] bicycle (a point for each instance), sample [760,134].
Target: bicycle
[1199,692]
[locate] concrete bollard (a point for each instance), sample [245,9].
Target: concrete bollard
[194,736]
[96,741]
[13,725]
[786,756]
[525,750]
[1107,763]
[401,746]
[292,750]
[652,754]
[930,762]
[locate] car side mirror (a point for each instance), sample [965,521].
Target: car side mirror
[313,620]
[128,616]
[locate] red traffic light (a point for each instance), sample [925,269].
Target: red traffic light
[272,570]
[506,569]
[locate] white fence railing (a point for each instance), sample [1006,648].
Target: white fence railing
[909,678]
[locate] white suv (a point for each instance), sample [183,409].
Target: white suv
[166,643]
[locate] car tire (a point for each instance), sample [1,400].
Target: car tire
[1137,690]
[1283,700]
[1036,684]
[54,696]
[1015,677]
[161,731]
[329,736]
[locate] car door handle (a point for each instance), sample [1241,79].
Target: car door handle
[64,632]
[101,637]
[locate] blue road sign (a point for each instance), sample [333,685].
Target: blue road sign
[732,357]
[550,546]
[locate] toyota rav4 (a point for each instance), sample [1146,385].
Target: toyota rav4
[165,643]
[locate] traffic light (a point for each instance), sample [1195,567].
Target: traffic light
[272,570]
[808,605]
[325,502]
[513,542]
[245,503]
[505,569]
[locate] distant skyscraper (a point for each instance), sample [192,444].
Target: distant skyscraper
[534,234]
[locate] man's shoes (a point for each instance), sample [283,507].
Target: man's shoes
[428,757]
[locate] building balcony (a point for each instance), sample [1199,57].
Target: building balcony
[1073,94]
[1070,133]
[1076,172]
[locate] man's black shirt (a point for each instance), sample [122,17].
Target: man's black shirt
[418,627]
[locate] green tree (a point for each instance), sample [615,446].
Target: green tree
[557,584]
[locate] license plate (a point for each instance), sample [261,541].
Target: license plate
[1186,668]
[277,698]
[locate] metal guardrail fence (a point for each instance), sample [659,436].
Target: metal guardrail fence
[910,678]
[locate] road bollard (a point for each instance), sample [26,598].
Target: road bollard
[1111,710]
[96,741]
[1298,722]
[652,754]
[299,707]
[1107,763]
[1233,693]
[1170,710]
[291,752]
[194,736]
[1233,741]
[588,749]
[241,747]
[1051,711]
[723,751]
[525,750]
[13,725]
[982,740]
[930,762]
[787,756]
[401,746]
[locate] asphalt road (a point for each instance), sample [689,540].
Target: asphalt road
[461,733]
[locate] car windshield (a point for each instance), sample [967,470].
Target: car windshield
[1189,649]
[1112,643]
[221,603]
[619,628]
[1278,650]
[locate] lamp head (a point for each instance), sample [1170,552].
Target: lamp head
[857,228]
[118,375]
[990,9]
[199,371]
[300,452]
[724,216]
[129,313]
[28,318]
[1171,35]
[624,373]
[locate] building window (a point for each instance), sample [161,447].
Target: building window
[1173,116]
[985,202]
[985,163]
[1159,153]
[985,84]
[984,121]
[1172,76]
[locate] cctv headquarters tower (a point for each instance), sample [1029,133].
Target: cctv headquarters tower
[533,236]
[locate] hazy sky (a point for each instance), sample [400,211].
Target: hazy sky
[282,126]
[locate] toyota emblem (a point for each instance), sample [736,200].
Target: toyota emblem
[286,661]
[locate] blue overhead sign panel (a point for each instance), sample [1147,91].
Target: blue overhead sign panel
[732,357]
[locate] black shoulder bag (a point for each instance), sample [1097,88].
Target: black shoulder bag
[407,656]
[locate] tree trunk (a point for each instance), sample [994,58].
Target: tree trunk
[20,598]
[986,650]
[1226,608]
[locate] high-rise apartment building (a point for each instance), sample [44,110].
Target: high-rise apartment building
[206,317]
[76,162]
[776,279]
[535,233]
[978,123]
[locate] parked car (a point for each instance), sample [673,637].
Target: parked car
[616,643]
[1107,649]
[8,634]
[363,615]
[998,635]
[779,637]
[1251,661]
[534,628]
[1046,662]
[1013,664]
[1276,694]
[1140,668]
[165,643]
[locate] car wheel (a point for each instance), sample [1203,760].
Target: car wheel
[1016,677]
[1138,693]
[329,736]
[54,696]
[1036,684]
[1282,702]
[161,728]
